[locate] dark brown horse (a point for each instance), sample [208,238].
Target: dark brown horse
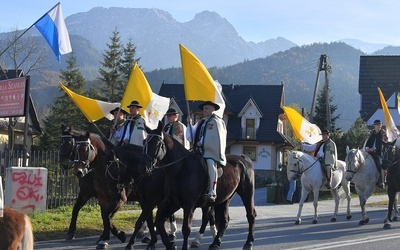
[122,171]
[186,181]
[15,230]
[91,179]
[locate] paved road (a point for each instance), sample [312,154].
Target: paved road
[275,228]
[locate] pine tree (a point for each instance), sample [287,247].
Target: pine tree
[128,60]
[64,111]
[320,118]
[111,78]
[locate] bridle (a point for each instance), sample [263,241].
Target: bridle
[356,156]
[160,152]
[299,170]
[67,139]
[91,155]
[385,156]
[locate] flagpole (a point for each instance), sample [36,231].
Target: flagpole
[98,130]
[23,33]
[190,127]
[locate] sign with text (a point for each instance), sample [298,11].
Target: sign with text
[12,97]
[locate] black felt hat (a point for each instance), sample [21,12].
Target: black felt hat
[216,106]
[325,131]
[116,109]
[377,122]
[135,103]
[171,111]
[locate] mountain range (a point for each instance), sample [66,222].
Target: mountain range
[230,59]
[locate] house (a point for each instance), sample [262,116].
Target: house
[18,123]
[382,72]
[252,117]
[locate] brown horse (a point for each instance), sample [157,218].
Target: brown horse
[186,182]
[15,230]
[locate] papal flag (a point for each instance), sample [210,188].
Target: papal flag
[138,89]
[303,129]
[198,83]
[391,130]
[92,109]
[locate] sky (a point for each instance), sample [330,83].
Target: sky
[302,22]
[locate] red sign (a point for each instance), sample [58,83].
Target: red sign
[12,97]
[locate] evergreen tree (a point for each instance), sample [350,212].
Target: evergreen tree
[128,60]
[354,138]
[320,118]
[64,111]
[111,78]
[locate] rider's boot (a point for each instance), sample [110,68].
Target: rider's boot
[328,184]
[212,181]
[380,183]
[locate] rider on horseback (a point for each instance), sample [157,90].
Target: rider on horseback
[327,152]
[374,146]
[210,137]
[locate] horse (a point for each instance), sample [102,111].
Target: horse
[391,163]
[15,230]
[186,182]
[122,170]
[362,171]
[312,180]
[90,171]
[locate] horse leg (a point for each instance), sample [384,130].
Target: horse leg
[27,240]
[222,216]
[204,221]
[173,228]
[315,203]
[304,194]
[114,230]
[187,225]
[79,203]
[335,196]
[164,211]
[396,211]
[391,193]
[105,212]
[147,214]
[248,201]
[346,188]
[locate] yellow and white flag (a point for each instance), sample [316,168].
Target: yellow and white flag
[303,129]
[391,130]
[92,109]
[198,83]
[138,89]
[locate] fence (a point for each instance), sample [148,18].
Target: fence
[62,185]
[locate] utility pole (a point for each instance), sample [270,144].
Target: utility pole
[322,66]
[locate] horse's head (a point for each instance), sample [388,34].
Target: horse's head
[154,149]
[295,165]
[66,147]
[354,161]
[84,154]
[389,154]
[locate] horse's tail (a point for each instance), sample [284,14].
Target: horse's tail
[27,240]
[248,160]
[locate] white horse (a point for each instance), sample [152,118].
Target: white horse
[313,180]
[362,171]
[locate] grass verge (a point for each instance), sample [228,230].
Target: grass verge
[54,223]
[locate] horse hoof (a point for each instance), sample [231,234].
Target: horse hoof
[102,245]
[297,222]
[314,221]
[395,218]
[70,236]
[387,226]
[195,244]
[151,247]
[332,220]
[248,246]
[121,236]
[171,237]
[348,217]
[129,247]
[100,239]
[363,222]
[213,247]
[146,240]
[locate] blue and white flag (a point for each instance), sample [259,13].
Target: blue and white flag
[53,28]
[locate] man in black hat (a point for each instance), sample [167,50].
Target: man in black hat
[115,132]
[134,129]
[327,152]
[209,135]
[175,128]
[373,146]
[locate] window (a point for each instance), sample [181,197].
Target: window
[250,151]
[250,130]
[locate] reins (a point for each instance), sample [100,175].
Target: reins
[299,172]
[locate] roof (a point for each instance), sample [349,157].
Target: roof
[268,99]
[377,71]
[34,128]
